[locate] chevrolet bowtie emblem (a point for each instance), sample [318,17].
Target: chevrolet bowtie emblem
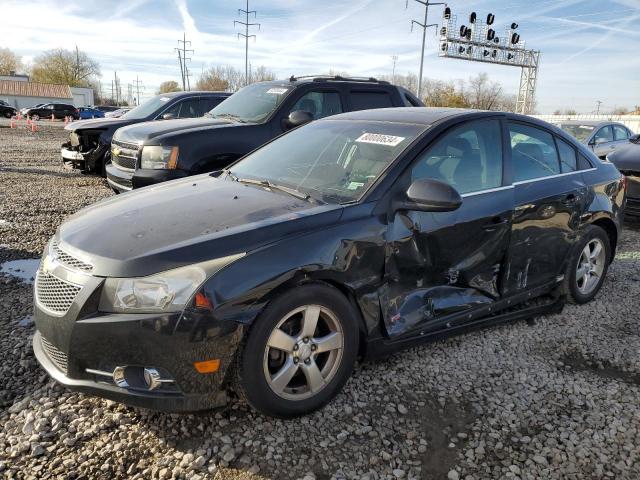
[115,151]
[49,263]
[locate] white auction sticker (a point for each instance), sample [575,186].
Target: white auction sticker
[380,139]
[277,91]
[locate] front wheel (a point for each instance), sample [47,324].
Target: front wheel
[299,352]
[35,117]
[588,266]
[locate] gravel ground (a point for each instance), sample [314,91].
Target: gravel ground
[554,398]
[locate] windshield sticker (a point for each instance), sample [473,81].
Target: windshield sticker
[355,185]
[165,99]
[277,91]
[380,139]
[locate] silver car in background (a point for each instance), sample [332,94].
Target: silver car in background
[601,137]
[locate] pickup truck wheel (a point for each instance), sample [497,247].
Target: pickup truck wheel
[35,117]
[299,352]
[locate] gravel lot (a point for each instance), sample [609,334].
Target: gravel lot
[554,398]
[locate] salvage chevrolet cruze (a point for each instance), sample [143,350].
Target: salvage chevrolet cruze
[352,236]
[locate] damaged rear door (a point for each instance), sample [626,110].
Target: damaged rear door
[439,265]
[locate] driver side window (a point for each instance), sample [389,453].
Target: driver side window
[319,104]
[469,158]
[604,135]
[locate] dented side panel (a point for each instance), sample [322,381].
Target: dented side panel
[546,221]
[445,262]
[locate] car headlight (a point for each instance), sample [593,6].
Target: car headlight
[168,291]
[158,157]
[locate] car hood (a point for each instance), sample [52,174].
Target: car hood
[145,131]
[99,123]
[185,221]
[626,157]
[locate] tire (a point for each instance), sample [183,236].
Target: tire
[8,114]
[35,117]
[278,382]
[580,287]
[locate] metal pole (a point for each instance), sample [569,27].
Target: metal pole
[424,37]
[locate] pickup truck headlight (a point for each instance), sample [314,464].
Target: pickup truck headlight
[158,157]
[168,291]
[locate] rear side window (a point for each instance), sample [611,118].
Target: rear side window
[190,108]
[370,99]
[469,158]
[568,159]
[533,153]
[319,104]
[620,133]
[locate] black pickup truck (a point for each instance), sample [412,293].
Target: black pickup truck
[88,148]
[153,152]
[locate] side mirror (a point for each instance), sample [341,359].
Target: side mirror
[168,116]
[428,195]
[297,118]
[635,138]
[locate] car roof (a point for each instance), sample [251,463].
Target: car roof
[590,123]
[194,92]
[415,115]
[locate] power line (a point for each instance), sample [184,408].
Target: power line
[598,108]
[138,84]
[424,25]
[394,59]
[246,36]
[182,59]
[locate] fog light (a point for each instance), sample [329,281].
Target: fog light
[152,378]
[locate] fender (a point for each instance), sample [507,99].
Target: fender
[348,255]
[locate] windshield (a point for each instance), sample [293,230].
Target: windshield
[147,108]
[253,103]
[580,132]
[331,160]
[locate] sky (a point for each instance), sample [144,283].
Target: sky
[590,49]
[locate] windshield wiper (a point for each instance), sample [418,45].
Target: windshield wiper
[266,183]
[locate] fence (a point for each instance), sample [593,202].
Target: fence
[632,122]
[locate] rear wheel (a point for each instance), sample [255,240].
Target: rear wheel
[8,114]
[35,117]
[299,353]
[588,266]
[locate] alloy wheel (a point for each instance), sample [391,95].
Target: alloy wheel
[303,352]
[591,266]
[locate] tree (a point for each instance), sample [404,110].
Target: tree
[212,80]
[169,86]
[9,62]
[65,67]
[620,111]
[226,77]
[261,74]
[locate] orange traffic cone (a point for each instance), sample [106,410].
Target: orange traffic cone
[34,127]
[52,117]
[11,123]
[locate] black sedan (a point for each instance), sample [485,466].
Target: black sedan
[7,111]
[357,234]
[627,159]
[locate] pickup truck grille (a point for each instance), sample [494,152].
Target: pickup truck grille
[124,155]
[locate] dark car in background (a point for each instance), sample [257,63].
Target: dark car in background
[154,152]
[627,159]
[356,234]
[601,137]
[58,110]
[6,110]
[89,145]
[89,112]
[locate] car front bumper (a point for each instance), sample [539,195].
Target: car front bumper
[83,349]
[125,180]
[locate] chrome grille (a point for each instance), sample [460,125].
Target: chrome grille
[127,157]
[55,294]
[57,356]
[70,261]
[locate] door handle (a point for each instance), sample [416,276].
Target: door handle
[495,223]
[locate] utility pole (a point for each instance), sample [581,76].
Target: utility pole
[115,83]
[424,26]
[246,36]
[182,58]
[137,84]
[394,59]
[598,108]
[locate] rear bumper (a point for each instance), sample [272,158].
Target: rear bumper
[632,207]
